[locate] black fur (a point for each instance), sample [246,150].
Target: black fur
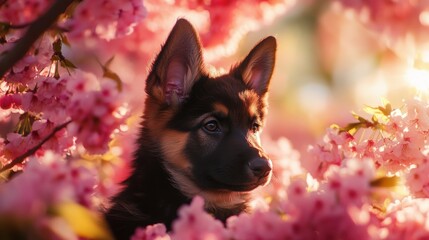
[149,196]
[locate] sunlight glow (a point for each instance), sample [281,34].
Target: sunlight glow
[424,18]
[418,78]
[312,183]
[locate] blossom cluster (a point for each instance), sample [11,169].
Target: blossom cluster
[220,24]
[91,106]
[399,143]
[226,19]
[49,181]
[46,90]
[112,19]
[309,212]
[22,12]
[373,188]
[400,23]
[193,223]
[61,112]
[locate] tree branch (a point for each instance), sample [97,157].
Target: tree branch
[34,149]
[35,30]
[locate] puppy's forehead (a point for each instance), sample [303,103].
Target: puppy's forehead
[230,96]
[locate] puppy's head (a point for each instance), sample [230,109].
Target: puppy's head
[207,127]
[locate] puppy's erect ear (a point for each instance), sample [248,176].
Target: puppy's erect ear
[177,66]
[256,69]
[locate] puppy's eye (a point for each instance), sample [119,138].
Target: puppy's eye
[212,126]
[255,127]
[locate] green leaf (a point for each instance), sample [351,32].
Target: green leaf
[67,64]
[387,109]
[25,123]
[57,45]
[107,73]
[64,40]
[4,30]
[363,120]
[384,110]
[57,73]
[108,62]
[385,102]
[55,57]
[84,223]
[351,128]
[359,118]
[355,115]
[374,119]
[385,182]
[111,75]
[371,110]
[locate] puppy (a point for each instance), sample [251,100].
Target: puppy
[199,136]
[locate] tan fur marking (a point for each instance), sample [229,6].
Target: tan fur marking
[156,120]
[173,144]
[158,93]
[191,76]
[224,199]
[249,98]
[213,199]
[219,107]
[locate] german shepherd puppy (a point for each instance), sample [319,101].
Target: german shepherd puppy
[199,136]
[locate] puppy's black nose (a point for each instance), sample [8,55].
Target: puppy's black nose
[260,167]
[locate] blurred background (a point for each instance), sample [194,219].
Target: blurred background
[329,63]
[332,58]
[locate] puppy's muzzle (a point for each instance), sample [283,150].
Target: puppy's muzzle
[261,167]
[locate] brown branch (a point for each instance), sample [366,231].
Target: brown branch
[35,30]
[19,26]
[34,149]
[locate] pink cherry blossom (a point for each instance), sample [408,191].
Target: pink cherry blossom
[393,20]
[19,12]
[194,223]
[297,190]
[221,25]
[10,101]
[259,225]
[94,115]
[417,181]
[32,64]
[50,99]
[106,19]
[335,146]
[46,181]
[406,219]
[312,213]
[17,144]
[151,232]
[287,166]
